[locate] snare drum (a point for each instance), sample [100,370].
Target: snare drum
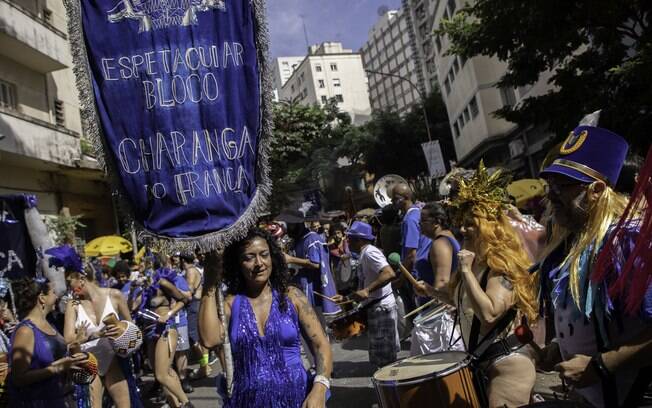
[437,380]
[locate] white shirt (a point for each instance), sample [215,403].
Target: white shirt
[372,261]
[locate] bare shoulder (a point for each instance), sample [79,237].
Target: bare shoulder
[229,300]
[115,294]
[442,244]
[296,296]
[24,333]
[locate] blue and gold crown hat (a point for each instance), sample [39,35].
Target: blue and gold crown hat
[590,154]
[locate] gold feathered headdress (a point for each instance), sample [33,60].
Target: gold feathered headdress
[483,194]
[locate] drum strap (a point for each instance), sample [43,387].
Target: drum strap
[478,348]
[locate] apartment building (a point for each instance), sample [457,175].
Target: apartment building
[330,71]
[282,70]
[470,92]
[40,124]
[420,18]
[387,58]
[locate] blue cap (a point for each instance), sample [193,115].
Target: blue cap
[590,154]
[360,230]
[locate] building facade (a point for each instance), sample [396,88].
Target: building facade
[282,71]
[330,71]
[387,58]
[420,18]
[471,96]
[40,124]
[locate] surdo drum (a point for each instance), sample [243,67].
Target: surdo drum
[436,380]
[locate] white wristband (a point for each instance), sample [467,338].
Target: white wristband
[321,379]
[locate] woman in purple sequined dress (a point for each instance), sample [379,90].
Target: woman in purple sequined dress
[266,319]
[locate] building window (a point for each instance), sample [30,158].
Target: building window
[447,86]
[473,107]
[318,68]
[324,99]
[59,115]
[292,88]
[333,66]
[339,98]
[8,95]
[47,15]
[322,84]
[456,129]
[466,114]
[336,82]
[456,66]
[285,63]
[508,96]
[451,7]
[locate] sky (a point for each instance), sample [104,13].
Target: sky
[345,21]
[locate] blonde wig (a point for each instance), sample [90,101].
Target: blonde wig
[602,214]
[482,199]
[499,246]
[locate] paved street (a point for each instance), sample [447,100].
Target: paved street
[351,387]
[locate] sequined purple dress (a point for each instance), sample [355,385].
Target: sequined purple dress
[267,370]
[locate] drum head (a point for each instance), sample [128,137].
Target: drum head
[428,365]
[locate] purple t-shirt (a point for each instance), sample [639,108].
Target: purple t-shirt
[411,237]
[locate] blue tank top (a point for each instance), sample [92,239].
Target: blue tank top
[423,265]
[51,391]
[269,368]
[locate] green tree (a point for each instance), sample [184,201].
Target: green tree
[304,145]
[391,143]
[600,52]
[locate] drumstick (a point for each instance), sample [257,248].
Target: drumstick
[420,308]
[395,259]
[324,296]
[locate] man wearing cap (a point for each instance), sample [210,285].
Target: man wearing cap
[375,276]
[601,350]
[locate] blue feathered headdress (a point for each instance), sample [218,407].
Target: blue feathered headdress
[66,257]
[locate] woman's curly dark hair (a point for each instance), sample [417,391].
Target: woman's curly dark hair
[28,290]
[279,278]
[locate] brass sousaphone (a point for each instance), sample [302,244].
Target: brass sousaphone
[383,188]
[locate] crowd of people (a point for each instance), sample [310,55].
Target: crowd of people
[568,273]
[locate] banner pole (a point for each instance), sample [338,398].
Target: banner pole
[228,358]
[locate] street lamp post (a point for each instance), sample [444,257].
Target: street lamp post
[416,88]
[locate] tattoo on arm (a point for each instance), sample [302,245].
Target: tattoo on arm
[506,283]
[313,329]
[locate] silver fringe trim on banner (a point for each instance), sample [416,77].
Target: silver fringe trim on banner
[91,125]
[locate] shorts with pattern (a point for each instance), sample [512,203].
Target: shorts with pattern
[382,328]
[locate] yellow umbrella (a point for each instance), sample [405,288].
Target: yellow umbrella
[108,245]
[525,189]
